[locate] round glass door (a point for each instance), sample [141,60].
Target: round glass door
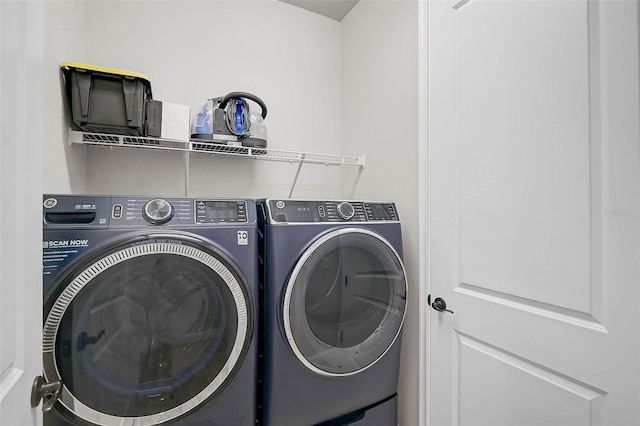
[147,332]
[345,302]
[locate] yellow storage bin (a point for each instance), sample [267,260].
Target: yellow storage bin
[106,100]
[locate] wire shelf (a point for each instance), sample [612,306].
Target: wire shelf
[266,154]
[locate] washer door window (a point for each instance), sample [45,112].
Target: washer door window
[345,302]
[147,332]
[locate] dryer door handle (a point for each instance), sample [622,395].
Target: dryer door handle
[47,392]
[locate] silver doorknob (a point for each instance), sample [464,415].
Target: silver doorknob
[440,305]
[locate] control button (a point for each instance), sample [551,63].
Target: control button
[280,204]
[321,211]
[346,210]
[117,211]
[157,211]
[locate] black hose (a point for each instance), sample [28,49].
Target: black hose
[234,95]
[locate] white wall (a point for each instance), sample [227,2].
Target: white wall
[194,50]
[380,102]
[64,166]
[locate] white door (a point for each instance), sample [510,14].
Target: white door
[534,212]
[21,40]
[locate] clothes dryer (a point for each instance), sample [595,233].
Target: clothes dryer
[333,298]
[150,310]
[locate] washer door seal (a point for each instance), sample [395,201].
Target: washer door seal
[147,331]
[345,302]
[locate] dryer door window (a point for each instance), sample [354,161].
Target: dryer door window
[345,302]
[147,332]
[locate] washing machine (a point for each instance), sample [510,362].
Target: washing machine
[333,301]
[150,310]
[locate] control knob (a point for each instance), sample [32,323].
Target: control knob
[157,211]
[346,210]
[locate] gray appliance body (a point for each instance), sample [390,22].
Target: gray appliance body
[150,310]
[333,299]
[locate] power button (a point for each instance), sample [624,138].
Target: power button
[117,211]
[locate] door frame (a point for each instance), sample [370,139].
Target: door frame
[424,284]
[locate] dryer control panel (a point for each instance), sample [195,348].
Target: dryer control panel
[308,211]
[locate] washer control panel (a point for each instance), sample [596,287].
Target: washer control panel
[303,211]
[85,211]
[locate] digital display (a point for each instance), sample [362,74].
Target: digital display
[223,205]
[304,213]
[217,213]
[379,211]
[295,211]
[220,211]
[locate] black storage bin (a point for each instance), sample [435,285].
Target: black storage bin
[106,100]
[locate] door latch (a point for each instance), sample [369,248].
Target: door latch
[438,304]
[48,393]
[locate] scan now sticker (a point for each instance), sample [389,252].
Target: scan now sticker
[65,243]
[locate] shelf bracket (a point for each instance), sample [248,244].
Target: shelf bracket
[74,137]
[295,179]
[186,173]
